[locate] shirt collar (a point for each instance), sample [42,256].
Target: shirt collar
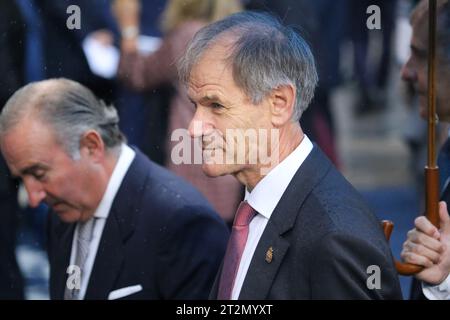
[123,164]
[268,192]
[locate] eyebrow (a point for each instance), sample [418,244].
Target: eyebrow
[206,99]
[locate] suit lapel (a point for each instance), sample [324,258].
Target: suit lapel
[262,270]
[61,258]
[119,227]
[444,164]
[445,195]
[215,287]
[108,261]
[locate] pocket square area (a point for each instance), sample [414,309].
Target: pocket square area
[123,292]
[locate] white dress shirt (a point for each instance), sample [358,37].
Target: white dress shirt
[123,164]
[264,198]
[438,292]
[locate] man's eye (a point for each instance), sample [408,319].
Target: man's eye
[216,105]
[39,176]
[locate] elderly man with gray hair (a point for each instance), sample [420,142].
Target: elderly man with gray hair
[427,245]
[303,232]
[123,226]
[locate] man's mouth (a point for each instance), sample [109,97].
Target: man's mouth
[56,205]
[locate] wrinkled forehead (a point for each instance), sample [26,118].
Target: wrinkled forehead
[215,57]
[26,137]
[27,151]
[213,67]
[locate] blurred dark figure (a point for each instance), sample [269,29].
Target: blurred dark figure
[11,64]
[143,115]
[181,19]
[321,23]
[63,53]
[329,32]
[371,77]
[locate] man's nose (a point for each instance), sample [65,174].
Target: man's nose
[199,124]
[35,191]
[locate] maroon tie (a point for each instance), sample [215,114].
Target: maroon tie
[235,248]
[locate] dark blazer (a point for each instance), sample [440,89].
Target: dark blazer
[11,281]
[160,233]
[12,37]
[324,238]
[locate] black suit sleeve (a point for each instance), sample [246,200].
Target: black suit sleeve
[191,253]
[340,270]
[11,50]
[11,65]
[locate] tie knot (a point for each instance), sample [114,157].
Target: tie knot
[244,214]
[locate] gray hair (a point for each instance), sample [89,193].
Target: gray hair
[265,55]
[69,108]
[419,18]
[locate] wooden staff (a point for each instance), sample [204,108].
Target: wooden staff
[431,169]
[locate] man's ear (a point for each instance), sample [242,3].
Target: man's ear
[92,145]
[282,101]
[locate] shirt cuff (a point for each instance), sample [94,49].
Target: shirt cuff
[437,292]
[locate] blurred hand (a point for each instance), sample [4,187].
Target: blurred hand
[429,247]
[127,13]
[103,36]
[128,46]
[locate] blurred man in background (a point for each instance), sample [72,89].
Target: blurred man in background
[426,245]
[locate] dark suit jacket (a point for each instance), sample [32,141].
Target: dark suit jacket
[160,233]
[324,238]
[12,37]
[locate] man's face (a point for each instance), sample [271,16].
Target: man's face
[415,71]
[221,105]
[47,171]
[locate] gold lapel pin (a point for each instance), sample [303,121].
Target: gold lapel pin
[269,255]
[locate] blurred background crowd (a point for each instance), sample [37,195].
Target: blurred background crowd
[363,116]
